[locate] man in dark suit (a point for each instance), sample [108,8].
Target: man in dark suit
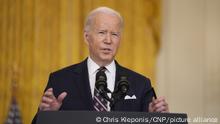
[72,88]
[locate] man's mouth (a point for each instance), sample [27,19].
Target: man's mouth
[106,50]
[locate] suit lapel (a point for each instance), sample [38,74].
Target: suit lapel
[84,86]
[119,72]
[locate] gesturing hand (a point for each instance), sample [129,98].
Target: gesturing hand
[158,105]
[50,102]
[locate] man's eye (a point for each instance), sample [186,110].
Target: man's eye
[101,32]
[115,34]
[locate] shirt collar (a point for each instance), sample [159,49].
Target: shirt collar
[93,67]
[111,67]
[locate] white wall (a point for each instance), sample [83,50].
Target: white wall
[188,71]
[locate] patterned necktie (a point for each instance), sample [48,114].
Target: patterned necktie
[100,103]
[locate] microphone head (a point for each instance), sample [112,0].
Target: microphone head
[121,89]
[100,83]
[123,84]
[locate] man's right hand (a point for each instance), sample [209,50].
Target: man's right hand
[49,102]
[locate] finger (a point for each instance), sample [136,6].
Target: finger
[159,104]
[166,111]
[49,93]
[159,99]
[61,97]
[154,101]
[150,107]
[50,89]
[43,106]
[163,109]
[166,108]
[46,99]
[160,109]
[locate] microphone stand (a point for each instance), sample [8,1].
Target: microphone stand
[120,92]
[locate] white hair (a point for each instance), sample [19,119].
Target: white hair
[104,10]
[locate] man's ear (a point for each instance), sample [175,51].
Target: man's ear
[86,37]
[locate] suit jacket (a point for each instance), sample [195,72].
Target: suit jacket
[75,81]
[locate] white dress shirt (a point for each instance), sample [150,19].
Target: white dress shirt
[110,74]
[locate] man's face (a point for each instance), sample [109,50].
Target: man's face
[103,38]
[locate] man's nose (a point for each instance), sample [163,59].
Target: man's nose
[108,39]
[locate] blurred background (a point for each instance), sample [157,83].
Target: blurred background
[176,43]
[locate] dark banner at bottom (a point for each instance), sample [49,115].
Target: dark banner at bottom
[92,117]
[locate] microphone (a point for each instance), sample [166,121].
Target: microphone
[123,85]
[120,92]
[101,85]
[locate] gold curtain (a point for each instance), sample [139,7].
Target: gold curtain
[41,36]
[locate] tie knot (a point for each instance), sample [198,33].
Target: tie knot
[100,75]
[102,69]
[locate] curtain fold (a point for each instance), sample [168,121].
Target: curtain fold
[40,36]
